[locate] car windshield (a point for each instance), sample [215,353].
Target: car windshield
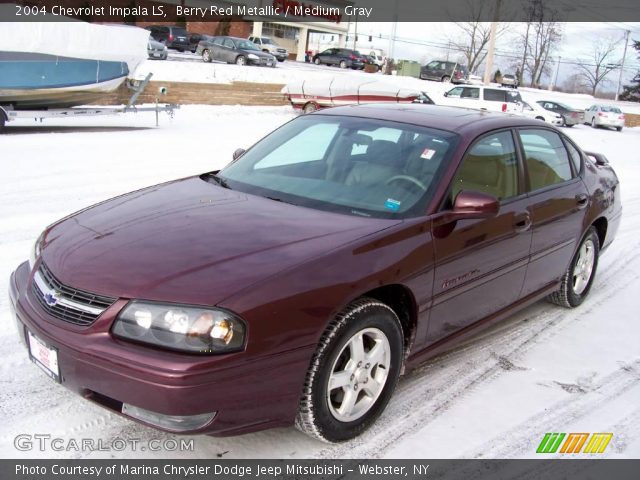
[350,165]
[246,45]
[606,108]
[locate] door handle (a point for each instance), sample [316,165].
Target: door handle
[523,223]
[582,200]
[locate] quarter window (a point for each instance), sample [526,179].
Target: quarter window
[490,167]
[575,157]
[546,158]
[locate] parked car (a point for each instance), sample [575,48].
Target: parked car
[342,57]
[266,44]
[533,110]
[571,116]
[300,281]
[376,57]
[604,116]
[443,71]
[173,37]
[234,50]
[156,50]
[484,98]
[509,80]
[312,95]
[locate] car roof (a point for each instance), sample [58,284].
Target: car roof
[455,119]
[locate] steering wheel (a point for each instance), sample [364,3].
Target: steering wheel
[407,178]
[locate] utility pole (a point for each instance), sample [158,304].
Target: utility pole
[555,77]
[355,34]
[624,56]
[394,29]
[492,43]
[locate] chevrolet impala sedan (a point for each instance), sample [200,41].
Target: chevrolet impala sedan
[299,282]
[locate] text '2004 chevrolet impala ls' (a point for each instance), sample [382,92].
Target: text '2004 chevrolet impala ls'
[296,284]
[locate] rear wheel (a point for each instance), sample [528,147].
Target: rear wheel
[540,118]
[343,64]
[317,61]
[619,129]
[577,280]
[241,60]
[310,107]
[353,373]
[2,120]
[593,123]
[206,56]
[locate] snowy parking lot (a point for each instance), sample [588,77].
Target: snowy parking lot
[546,369]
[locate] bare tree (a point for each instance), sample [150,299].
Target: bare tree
[543,34]
[594,73]
[473,36]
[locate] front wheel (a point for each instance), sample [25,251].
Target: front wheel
[577,280]
[445,79]
[619,129]
[353,373]
[317,61]
[343,64]
[593,123]
[241,60]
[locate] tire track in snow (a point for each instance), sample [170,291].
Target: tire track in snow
[423,394]
[523,438]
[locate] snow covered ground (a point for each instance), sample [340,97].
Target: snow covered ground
[546,369]
[187,67]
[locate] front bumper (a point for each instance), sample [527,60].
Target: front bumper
[263,62]
[247,392]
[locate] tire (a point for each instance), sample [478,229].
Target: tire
[367,323]
[240,60]
[309,107]
[2,120]
[569,125]
[206,56]
[619,129]
[577,280]
[317,61]
[593,123]
[540,118]
[445,79]
[281,60]
[343,64]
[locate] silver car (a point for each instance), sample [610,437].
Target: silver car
[604,116]
[156,50]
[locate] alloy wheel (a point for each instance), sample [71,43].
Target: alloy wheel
[359,375]
[583,268]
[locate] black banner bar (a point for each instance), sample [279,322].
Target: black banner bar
[320,469]
[332,11]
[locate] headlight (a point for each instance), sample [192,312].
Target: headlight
[35,251]
[181,327]
[253,57]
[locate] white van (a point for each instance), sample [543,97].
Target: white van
[484,98]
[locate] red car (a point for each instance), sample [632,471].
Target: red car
[296,284]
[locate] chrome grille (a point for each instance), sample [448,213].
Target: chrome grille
[65,303]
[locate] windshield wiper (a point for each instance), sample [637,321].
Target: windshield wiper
[220,181]
[275,199]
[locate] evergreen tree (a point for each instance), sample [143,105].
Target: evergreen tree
[632,92]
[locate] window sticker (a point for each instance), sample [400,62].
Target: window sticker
[427,154]
[393,205]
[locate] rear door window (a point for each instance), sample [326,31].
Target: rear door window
[546,158]
[493,95]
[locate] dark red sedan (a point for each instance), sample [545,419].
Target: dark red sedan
[296,284]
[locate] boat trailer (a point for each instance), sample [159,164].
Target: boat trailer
[8,113]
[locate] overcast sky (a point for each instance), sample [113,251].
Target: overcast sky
[429,41]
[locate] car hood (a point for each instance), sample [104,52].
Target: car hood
[191,241]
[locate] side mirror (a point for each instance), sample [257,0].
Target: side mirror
[469,204]
[238,153]
[446,94]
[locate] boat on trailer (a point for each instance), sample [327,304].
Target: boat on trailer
[47,65]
